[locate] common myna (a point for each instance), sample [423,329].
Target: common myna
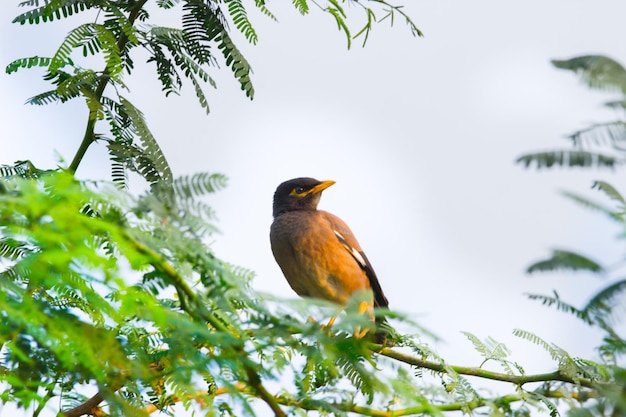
[316,250]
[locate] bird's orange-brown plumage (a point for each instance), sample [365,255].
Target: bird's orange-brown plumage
[316,250]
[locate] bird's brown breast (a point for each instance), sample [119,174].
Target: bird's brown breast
[314,261]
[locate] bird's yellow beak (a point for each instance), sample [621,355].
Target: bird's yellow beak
[321,187]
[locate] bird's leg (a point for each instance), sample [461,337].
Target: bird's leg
[364,307]
[328,326]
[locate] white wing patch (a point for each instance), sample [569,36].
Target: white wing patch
[355,253]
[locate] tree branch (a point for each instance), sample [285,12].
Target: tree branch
[426,408]
[483,373]
[85,408]
[270,400]
[420,409]
[89,136]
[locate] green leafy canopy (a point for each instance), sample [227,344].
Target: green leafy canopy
[105,289]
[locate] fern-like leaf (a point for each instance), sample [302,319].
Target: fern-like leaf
[590,204]
[371,19]
[53,10]
[353,370]
[167,4]
[118,173]
[13,249]
[556,353]
[83,83]
[616,104]
[238,13]
[337,12]
[204,103]
[236,61]
[611,192]
[301,5]
[149,143]
[45,98]
[188,52]
[538,396]
[605,304]
[566,260]
[570,159]
[610,133]
[596,71]
[491,349]
[166,71]
[260,4]
[22,169]
[135,159]
[560,305]
[187,187]
[92,37]
[33,61]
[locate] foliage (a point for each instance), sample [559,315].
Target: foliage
[609,138]
[604,309]
[189,51]
[121,292]
[105,289]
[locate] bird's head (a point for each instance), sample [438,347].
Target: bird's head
[299,194]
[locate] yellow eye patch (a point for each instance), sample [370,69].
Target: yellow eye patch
[299,192]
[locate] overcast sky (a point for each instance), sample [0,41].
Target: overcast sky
[421,135]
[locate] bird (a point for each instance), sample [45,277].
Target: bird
[317,252]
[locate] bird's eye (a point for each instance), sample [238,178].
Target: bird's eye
[298,190]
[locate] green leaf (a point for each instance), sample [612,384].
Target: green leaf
[34,61]
[586,202]
[611,192]
[45,98]
[167,4]
[260,4]
[149,143]
[339,14]
[566,260]
[236,61]
[555,352]
[53,10]
[93,37]
[569,159]
[560,305]
[301,5]
[611,133]
[597,71]
[239,15]
[371,19]
[199,184]
[605,304]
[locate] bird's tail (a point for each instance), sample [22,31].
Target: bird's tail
[384,332]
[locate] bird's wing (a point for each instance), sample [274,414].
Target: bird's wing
[347,239]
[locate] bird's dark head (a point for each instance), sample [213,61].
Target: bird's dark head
[299,194]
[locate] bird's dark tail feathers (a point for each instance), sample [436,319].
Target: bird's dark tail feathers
[384,332]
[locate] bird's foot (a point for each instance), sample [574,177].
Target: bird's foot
[328,326]
[360,333]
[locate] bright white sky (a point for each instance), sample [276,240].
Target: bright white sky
[420,134]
